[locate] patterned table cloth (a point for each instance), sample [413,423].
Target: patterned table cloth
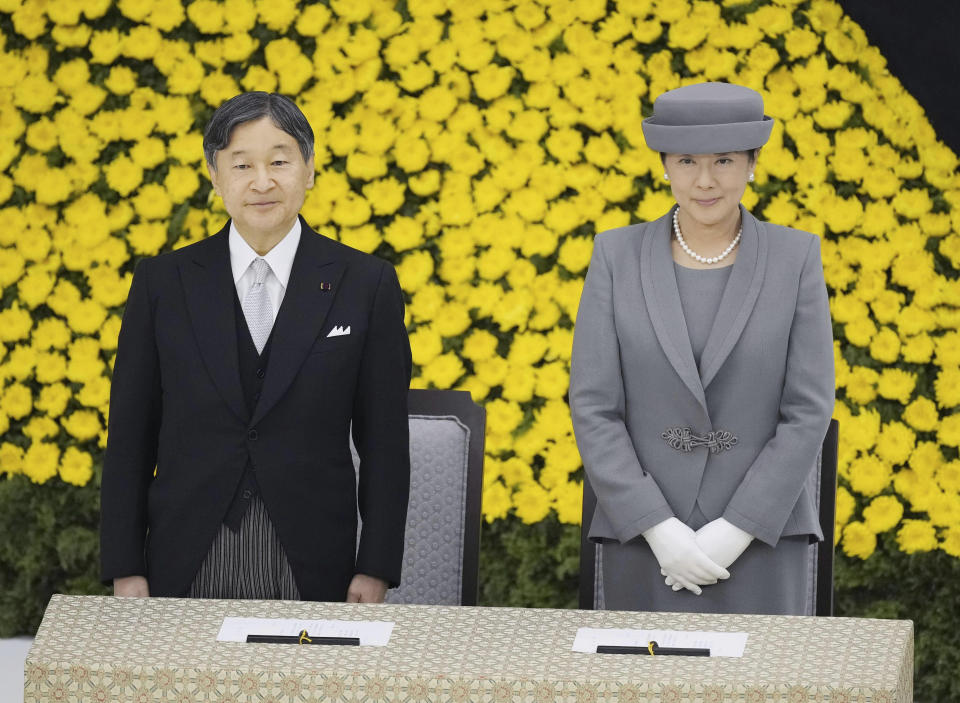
[103,649]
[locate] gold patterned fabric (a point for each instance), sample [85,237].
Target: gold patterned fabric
[103,649]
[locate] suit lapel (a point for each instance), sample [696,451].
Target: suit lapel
[302,314]
[210,291]
[739,297]
[662,297]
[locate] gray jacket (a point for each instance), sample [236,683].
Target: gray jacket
[766,377]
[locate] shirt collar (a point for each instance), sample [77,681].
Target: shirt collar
[280,257]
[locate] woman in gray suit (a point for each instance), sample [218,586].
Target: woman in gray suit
[702,378]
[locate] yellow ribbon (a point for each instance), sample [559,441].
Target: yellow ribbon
[303,637]
[650,647]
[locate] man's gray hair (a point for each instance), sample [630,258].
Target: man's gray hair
[252,106]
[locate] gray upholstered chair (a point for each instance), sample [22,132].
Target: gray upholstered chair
[442,552]
[822,485]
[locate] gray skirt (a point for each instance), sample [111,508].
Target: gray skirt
[249,563]
[764,580]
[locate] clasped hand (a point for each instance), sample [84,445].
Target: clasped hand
[691,559]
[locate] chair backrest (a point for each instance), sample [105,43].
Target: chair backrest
[442,542]
[822,485]
[825,493]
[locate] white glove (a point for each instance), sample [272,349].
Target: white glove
[675,546]
[720,540]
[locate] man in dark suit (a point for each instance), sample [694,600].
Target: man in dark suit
[244,363]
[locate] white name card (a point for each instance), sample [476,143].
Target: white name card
[720,644]
[372,633]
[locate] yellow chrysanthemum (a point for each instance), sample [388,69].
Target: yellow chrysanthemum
[846,504]
[947,387]
[531,503]
[518,384]
[921,414]
[883,513]
[567,501]
[123,175]
[16,401]
[861,384]
[948,433]
[858,540]
[885,346]
[895,442]
[11,458]
[951,541]
[82,424]
[654,204]
[40,462]
[574,254]
[53,399]
[917,536]
[869,475]
[76,467]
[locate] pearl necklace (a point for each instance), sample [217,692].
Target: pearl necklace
[692,254]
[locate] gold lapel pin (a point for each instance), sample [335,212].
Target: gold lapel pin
[325,286]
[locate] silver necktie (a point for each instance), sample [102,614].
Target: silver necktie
[256,305]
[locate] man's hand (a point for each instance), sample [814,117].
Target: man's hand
[366,589]
[132,586]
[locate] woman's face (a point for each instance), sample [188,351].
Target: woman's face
[708,187]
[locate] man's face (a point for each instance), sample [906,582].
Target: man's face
[262,178]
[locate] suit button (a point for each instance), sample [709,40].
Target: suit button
[261,373]
[247,494]
[252,435]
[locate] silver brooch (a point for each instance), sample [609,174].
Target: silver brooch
[686,440]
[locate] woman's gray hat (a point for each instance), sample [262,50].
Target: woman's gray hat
[707,118]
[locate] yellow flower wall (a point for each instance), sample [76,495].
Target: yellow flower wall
[478,145]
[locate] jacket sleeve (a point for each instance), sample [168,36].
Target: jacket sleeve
[628,495]
[131,454]
[381,434]
[769,490]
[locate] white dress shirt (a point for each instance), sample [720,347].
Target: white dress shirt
[280,259]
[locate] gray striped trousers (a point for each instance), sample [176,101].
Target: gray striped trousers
[248,564]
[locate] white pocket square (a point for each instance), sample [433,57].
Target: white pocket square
[339,331]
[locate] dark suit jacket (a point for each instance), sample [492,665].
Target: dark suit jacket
[176,404]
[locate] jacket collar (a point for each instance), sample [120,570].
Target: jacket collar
[662,297]
[210,291]
[739,297]
[302,314]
